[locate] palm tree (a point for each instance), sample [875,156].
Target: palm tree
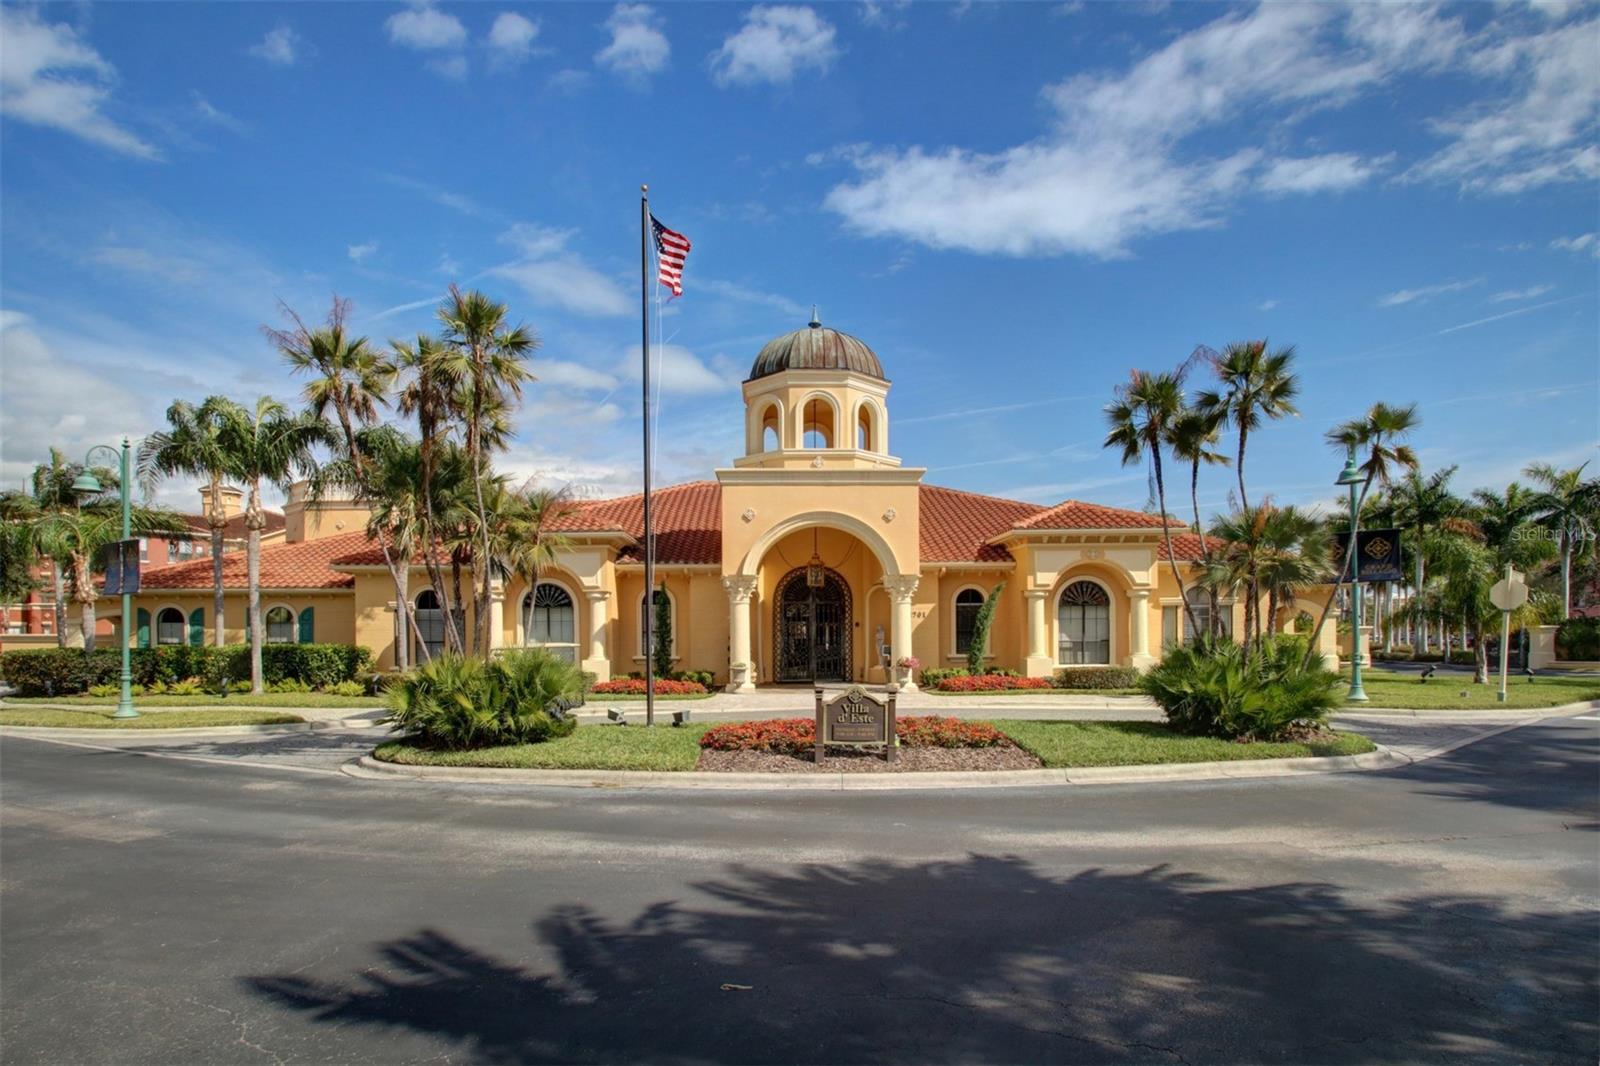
[1142,418]
[191,445]
[51,484]
[266,444]
[433,375]
[1194,435]
[1255,386]
[1470,568]
[19,548]
[1568,506]
[476,327]
[525,543]
[1379,432]
[1421,504]
[1294,557]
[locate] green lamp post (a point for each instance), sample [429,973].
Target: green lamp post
[1351,475]
[87,484]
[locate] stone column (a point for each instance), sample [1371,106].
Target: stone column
[1039,663]
[597,662]
[1139,604]
[902,589]
[497,614]
[741,673]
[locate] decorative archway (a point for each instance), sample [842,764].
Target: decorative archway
[812,628]
[750,565]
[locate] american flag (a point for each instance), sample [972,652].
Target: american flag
[672,249]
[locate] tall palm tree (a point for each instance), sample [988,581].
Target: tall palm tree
[524,543]
[1568,506]
[1255,385]
[1421,504]
[19,548]
[476,327]
[433,373]
[271,444]
[1379,434]
[1193,438]
[1141,419]
[51,484]
[191,444]
[1504,519]
[1470,568]
[1294,557]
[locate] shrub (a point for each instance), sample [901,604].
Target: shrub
[782,736]
[991,683]
[929,731]
[1578,639]
[522,697]
[346,688]
[634,686]
[1212,689]
[189,686]
[288,684]
[705,678]
[155,688]
[932,675]
[1097,677]
[106,690]
[60,671]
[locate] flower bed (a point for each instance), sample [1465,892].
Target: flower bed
[991,683]
[634,686]
[798,736]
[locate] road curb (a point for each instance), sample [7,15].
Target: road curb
[369,768]
[1445,715]
[47,732]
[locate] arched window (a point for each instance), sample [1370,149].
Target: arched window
[818,423]
[968,603]
[864,428]
[1084,620]
[553,623]
[280,626]
[170,626]
[430,624]
[771,429]
[671,628]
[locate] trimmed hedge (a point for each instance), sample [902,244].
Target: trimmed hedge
[1097,677]
[1578,640]
[64,671]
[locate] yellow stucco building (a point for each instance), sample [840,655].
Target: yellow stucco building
[816,555]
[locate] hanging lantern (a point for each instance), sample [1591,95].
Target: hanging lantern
[815,576]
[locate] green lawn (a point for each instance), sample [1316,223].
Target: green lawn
[100,718]
[207,699]
[1038,692]
[1387,688]
[590,747]
[1143,743]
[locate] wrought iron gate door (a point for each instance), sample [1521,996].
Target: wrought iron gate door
[812,630]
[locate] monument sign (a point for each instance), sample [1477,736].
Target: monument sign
[855,716]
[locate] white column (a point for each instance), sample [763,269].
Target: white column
[902,589]
[597,662]
[1039,663]
[741,674]
[497,614]
[1139,601]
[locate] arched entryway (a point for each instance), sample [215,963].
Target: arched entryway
[812,627]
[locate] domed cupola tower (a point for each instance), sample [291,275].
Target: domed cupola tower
[816,398]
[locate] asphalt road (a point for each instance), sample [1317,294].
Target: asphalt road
[162,911]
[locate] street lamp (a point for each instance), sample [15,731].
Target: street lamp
[87,484]
[1351,475]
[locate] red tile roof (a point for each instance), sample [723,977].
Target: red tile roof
[687,520]
[1186,546]
[302,565]
[956,525]
[275,522]
[1075,514]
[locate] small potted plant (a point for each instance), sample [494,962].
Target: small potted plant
[910,664]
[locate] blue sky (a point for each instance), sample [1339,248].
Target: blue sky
[1012,204]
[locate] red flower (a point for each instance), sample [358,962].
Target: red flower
[634,686]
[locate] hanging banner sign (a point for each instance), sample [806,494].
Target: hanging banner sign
[1377,554]
[122,568]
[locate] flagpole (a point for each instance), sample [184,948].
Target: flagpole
[649,538]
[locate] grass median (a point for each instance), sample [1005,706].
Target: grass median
[101,718]
[204,699]
[1444,691]
[590,747]
[1065,744]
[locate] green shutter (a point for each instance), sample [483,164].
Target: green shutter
[247,622]
[144,628]
[307,627]
[197,626]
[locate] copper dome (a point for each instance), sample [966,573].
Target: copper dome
[816,348]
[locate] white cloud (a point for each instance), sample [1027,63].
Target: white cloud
[745,294]
[1583,242]
[1266,305]
[569,80]
[215,115]
[281,45]
[452,67]
[1530,293]
[511,37]
[559,374]
[773,45]
[676,370]
[638,46]
[426,28]
[552,275]
[1426,292]
[358,252]
[885,14]
[1541,132]
[1320,173]
[49,77]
